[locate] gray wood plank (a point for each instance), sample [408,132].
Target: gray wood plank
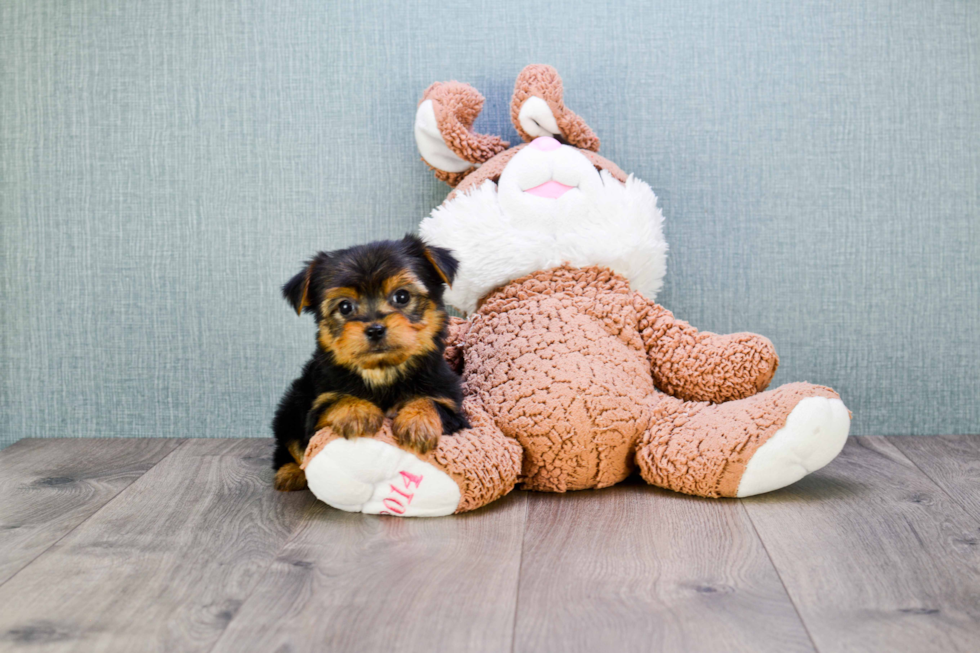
[163,567]
[351,582]
[951,461]
[875,556]
[50,486]
[635,568]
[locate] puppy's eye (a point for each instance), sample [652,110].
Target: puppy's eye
[401,297]
[345,307]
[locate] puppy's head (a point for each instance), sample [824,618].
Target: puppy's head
[378,306]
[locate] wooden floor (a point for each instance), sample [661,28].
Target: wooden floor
[182,545]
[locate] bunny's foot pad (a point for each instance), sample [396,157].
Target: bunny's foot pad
[374,475]
[377,478]
[815,432]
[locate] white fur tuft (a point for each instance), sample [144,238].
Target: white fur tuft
[615,225]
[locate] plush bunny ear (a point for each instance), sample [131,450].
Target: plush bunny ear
[538,109]
[444,135]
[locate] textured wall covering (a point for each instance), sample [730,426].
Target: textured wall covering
[166,164]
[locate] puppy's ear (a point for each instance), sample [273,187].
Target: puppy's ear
[442,260]
[297,290]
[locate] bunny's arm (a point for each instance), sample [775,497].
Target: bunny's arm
[456,330]
[702,366]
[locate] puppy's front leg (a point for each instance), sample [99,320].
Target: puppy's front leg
[348,416]
[417,425]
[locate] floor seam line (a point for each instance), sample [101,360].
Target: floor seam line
[782,582]
[101,508]
[265,570]
[520,573]
[965,508]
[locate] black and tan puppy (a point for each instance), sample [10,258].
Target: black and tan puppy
[381,328]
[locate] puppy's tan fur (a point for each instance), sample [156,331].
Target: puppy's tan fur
[417,425]
[351,417]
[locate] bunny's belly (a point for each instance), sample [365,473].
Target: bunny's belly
[573,394]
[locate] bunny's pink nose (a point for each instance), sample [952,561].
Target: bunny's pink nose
[545,143]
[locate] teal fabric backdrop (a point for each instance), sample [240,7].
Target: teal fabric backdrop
[165,165]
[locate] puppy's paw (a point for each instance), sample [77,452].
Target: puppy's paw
[352,418]
[417,425]
[290,478]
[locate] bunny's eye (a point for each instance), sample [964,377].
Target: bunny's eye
[345,307]
[401,297]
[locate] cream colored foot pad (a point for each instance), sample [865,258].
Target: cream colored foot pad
[814,434]
[373,477]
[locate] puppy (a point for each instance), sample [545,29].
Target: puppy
[381,327]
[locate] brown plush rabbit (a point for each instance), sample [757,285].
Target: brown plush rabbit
[572,375]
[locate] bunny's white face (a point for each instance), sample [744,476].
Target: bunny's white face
[546,180]
[549,206]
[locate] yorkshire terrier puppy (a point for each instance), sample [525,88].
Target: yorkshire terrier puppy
[381,328]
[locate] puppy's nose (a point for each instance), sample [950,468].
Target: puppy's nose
[545,143]
[375,332]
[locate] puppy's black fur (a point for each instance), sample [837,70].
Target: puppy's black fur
[381,327]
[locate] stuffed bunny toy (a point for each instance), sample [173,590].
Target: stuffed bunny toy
[573,377]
